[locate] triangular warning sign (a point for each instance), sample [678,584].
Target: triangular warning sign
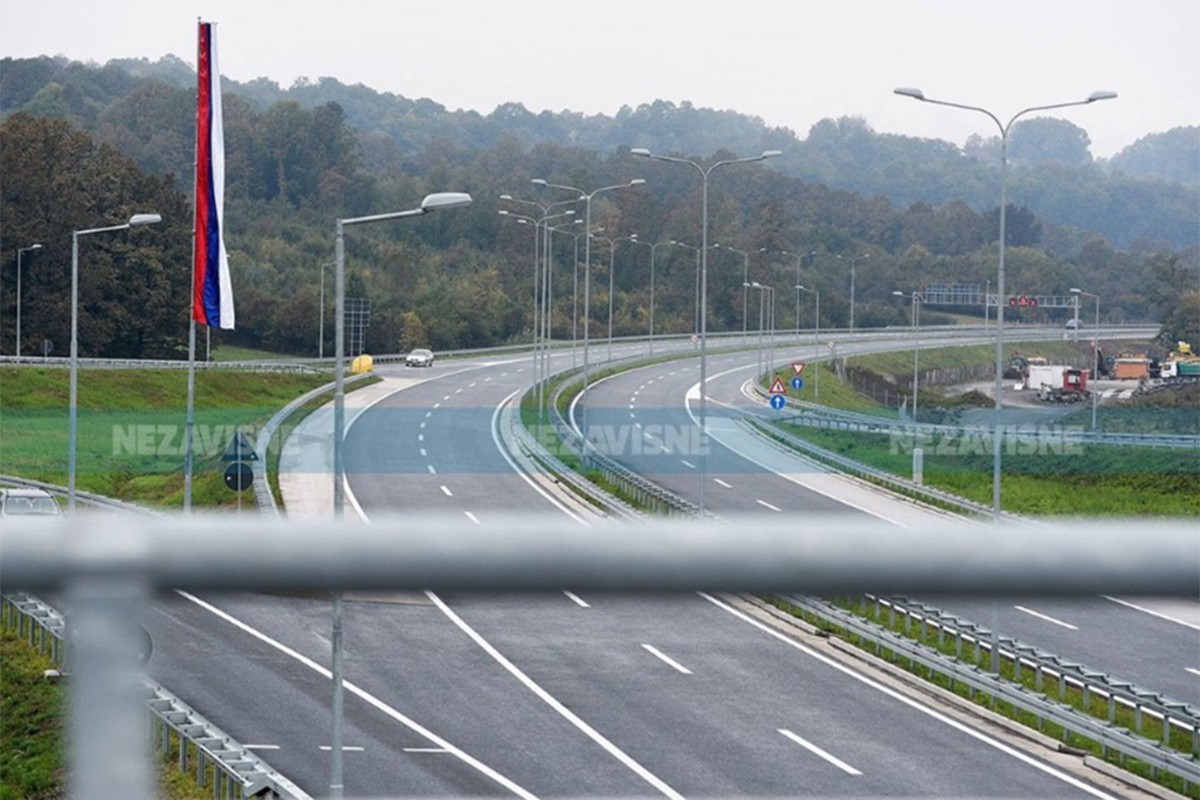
[797,367]
[777,386]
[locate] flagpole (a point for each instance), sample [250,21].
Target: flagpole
[191,372]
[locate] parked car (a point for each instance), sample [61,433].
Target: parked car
[419,358]
[28,503]
[1074,324]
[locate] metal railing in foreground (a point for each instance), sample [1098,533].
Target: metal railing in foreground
[176,730]
[109,565]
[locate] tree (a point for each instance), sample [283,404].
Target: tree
[1042,139]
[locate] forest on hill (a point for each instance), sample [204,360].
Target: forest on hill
[86,145]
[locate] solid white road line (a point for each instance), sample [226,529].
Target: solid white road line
[812,748]
[576,599]
[1158,614]
[554,703]
[1193,671]
[1046,618]
[362,694]
[910,702]
[654,651]
[765,504]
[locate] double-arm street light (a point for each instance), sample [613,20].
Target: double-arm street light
[652,247]
[1004,129]
[586,197]
[916,299]
[20,251]
[816,339]
[696,306]
[799,261]
[137,220]
[1095,343]
[763,291]
[541,291]
[705,172]
[745,254]
[612,249]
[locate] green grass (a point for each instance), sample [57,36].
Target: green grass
[228,352]
[131,424]
[32,741]
[32,711]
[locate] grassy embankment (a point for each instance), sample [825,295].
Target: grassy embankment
[131,426]
[1050,477]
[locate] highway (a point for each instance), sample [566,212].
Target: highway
[1110,634]
[561,694]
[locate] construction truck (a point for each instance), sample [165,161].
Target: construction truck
[1059,384]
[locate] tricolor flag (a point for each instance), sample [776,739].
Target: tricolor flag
[212,298]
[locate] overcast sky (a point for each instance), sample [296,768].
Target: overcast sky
[790,62]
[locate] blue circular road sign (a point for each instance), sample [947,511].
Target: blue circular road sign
[778,401]
[797,383]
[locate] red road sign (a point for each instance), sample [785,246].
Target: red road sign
[797,367]
[777,387]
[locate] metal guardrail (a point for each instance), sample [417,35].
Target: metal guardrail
[645,491]
[200,747]
[1107,735]
[1022,656]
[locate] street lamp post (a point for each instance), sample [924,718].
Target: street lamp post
[586,197]
[745,254]
[321,324]
[21,250]
[137,220]
[612,249]
[853,260]
[696,306]
[705,172]
[653,247]
[1095,342]
[917,94]
[431,202]
[816,340]
[799,261]
[917,299]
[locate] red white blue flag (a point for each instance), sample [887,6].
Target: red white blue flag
[212,298]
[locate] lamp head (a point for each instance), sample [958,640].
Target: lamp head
[898,293]
[506,197]
[34,247]
[637,181]
[908,91]
[144,219]
[1101,95]
[640,151]
[538,181]
[771,153]
[440,200]
[1075,291]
